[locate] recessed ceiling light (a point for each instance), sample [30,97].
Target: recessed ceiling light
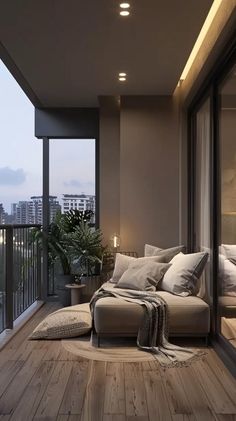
[122,74]
[124,5]
[122,79]
[124,13]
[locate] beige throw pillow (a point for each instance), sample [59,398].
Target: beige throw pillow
[122,263]
[143,277]
[68,322]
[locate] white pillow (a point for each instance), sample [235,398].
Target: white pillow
[227,272]
[230,252]
[151,250]
[143,277]
[122,263]
[68,322]
[181,279]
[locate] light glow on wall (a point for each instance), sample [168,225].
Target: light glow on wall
[201,37]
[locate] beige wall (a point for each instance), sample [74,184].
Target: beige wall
[148,172]
[109,189]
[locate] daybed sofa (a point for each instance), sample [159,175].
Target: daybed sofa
[188,316]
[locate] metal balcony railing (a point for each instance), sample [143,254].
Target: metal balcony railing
[20,272]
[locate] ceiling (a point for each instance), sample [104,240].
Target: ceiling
[69,52]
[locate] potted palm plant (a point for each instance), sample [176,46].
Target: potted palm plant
[60,248]
[87,251]
[62,235]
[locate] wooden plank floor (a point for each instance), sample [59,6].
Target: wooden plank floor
[39,380]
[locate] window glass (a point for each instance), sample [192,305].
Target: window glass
[72,174]
[227,246]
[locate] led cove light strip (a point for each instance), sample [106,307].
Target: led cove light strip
[201,37]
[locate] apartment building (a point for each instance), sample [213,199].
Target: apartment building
[30,211]
[80,202]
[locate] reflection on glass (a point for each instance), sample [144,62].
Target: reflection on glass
[227,248]
[202,189]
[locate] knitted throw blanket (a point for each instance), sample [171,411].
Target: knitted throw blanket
[153,333]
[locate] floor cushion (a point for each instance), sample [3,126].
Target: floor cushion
[68,322]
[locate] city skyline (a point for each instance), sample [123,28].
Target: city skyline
[30,211]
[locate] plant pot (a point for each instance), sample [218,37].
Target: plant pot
[62,292]
[92,284]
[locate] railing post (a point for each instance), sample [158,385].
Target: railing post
[9,278]
[39,272]
[46,211]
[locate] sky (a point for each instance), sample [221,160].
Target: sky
[72,162]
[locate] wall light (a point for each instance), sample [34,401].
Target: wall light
[115,241]
[122,74]
[201,37]
[122,79]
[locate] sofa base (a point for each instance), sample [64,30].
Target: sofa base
[203,336]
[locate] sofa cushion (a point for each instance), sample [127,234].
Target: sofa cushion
[187,315]
[142,277]
[227,306]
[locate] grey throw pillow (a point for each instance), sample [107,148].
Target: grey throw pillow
[167,255]
[143,277]
[151,250]
[182,277]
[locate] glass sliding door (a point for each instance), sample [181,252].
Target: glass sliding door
[212,196]
[227,240]
[202,192]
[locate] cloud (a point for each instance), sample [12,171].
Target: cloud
[78,184]
[9,177]
[73,183]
